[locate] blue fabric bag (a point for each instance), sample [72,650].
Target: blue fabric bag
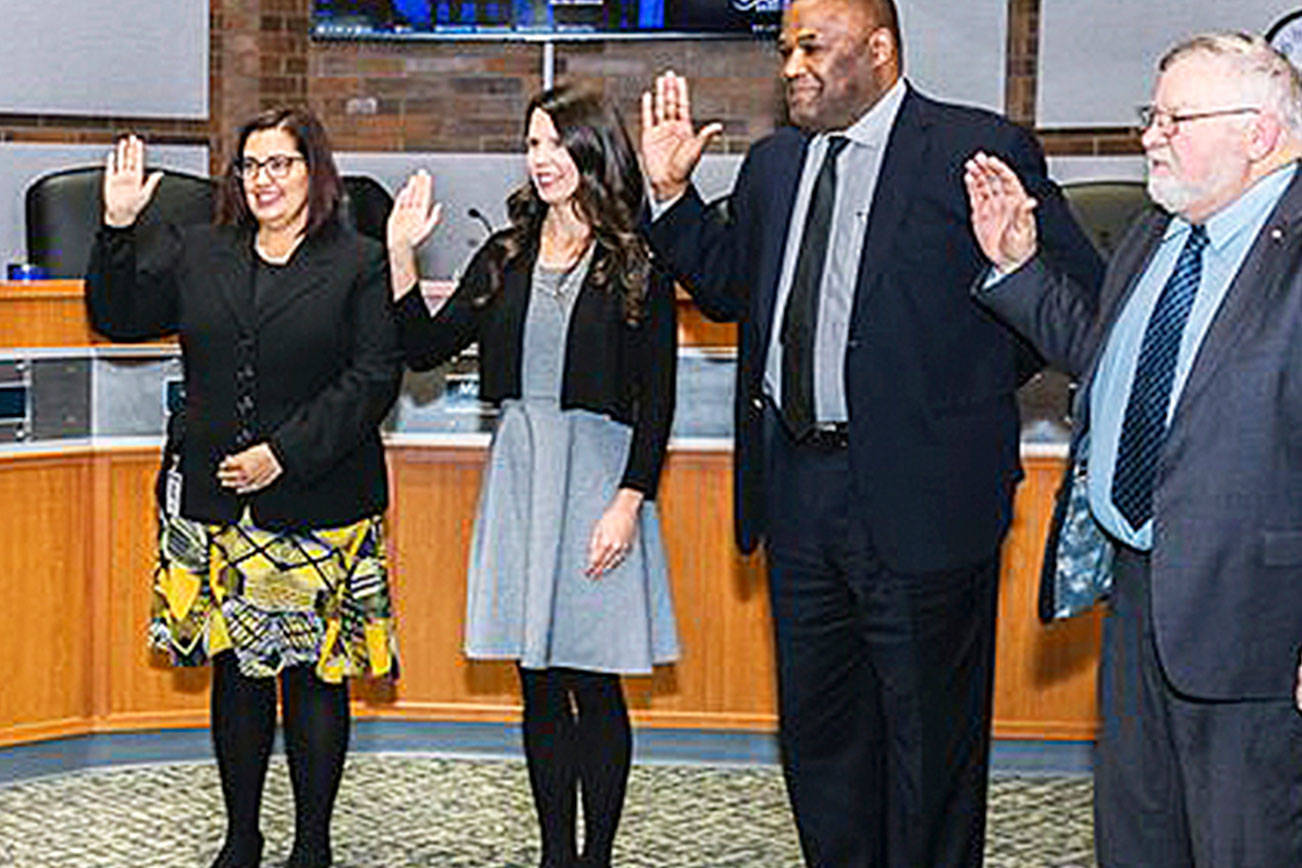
[1077,570]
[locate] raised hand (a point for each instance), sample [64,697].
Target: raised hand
[414,213]
[126,189]
[1003,213]
[412,220]
[671,148]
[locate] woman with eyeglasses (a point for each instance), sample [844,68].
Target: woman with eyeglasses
[271,561]
[577,345]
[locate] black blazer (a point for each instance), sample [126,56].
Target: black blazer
[626,372]
[323,357]
[930,376]
[1227,515]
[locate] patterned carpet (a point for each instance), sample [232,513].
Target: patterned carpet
[406,810]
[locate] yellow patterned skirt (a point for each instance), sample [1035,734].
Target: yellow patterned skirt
[277,599]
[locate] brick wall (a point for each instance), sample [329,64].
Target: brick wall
[444,96]
[471,96]
[423,96]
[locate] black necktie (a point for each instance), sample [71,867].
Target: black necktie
[1143,429]
[800,319]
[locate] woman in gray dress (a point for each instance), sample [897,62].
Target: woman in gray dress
[577,346]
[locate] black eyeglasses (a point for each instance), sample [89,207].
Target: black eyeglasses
[277,165]
[1168,122]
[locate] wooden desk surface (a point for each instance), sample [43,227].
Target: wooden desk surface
[44,313]
[51,313]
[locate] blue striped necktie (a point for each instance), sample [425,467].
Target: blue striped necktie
[1143,430]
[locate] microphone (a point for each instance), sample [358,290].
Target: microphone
[475,214]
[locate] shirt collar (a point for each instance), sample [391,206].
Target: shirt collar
[874,126]
[1250,209]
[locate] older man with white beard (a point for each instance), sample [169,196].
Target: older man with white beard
[1191,371]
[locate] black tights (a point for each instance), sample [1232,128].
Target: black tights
[576,736]
[316,739]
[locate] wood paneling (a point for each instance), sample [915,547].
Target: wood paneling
[694,330]
[45,611]
[1044,676]
[52,313]
[141,688]
[724,678]
[46,313]
[77,559]
[435,493]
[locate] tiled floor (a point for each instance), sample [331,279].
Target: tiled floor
[409,810]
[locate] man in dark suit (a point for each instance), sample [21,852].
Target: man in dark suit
[876,423]
[1191,365]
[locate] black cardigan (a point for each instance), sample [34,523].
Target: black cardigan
[317,364]
[625,372]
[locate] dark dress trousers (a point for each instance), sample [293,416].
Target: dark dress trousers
[316,362]
[1212,617]
[882,555]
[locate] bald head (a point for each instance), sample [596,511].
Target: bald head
[838,58]
[882,13]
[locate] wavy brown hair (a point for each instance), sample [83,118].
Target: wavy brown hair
[609,199]
[324,186]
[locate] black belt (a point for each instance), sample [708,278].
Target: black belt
[828,436]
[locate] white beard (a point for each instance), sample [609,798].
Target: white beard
[1178,195]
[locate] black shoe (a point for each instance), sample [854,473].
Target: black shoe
[240,854]
[309,857]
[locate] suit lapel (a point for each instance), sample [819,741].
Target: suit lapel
[1129,265]
[233,278]
[1269,263]
[897,179]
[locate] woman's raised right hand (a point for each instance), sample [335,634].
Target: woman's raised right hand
[414,214]
[413,218]
[126,189]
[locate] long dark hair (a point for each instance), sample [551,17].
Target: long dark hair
[609,199]
[324,187]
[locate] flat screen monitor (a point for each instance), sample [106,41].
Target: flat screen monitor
[543,19]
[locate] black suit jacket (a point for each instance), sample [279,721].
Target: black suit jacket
[325,362]
[930,376]
[1227,509]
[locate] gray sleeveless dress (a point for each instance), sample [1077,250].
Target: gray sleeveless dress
[551,473]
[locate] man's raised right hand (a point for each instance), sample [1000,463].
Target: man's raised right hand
[670,147]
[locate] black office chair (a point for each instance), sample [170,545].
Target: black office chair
[64,210]
[1105,209]
[366,205]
